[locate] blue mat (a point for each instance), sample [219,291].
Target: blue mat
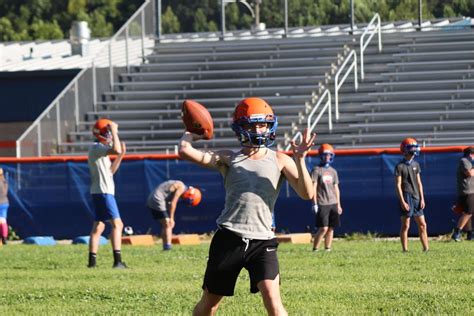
[85,240]
[40,240]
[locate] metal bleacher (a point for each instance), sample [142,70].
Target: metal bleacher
[427,92]
[146,102]
[420,85]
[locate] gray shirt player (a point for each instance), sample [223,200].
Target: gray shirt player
[465,184]
[102,179]
[409,173]
[252,187]
[326,179]
[160,198]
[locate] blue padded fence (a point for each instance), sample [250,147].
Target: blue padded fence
[52,199]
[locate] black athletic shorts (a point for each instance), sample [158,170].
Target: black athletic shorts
[229,253]
[158,215]
[327,216]
[467,202]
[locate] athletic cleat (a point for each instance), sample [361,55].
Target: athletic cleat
[120,265]
[469,235]
[327,249]
[91,266]
[456,236]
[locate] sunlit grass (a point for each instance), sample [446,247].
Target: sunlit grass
[358,277]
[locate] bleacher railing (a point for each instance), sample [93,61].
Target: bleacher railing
[371,29]
[312,123]
[327,107]
[338,83]
[80,96]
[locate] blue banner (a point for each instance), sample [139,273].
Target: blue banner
[52,199]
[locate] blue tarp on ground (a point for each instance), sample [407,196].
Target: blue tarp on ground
[53,198]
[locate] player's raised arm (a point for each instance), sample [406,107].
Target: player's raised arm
[199,125]
[209,159]
[295,170]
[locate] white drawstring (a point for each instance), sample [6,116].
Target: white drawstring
[246,241]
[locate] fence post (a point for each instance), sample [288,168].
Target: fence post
[126,50]
[58,124]
[94,86]
[158,20]
[142,20]
[222,19]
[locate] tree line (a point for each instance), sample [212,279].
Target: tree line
[22,20]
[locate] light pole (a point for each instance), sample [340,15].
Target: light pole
[352,17]
[224,3]
[158,19]
[419,15]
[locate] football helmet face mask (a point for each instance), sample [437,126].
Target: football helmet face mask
[326,154]
[409,146]
[101,131]
[192,196]
[248,113]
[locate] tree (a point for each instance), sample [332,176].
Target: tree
[170,22]
[46,30]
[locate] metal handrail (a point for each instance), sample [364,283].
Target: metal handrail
[363,45]
[338,84]
[74,82]
[36,122]
[327,106]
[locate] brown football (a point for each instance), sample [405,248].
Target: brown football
[197,119]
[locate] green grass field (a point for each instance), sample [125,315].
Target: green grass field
[357,277]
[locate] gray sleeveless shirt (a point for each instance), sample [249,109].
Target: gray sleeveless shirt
[252,187]
[160,197]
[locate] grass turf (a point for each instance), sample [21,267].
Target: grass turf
[357,277]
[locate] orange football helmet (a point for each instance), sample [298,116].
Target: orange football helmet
[324,150]
[101,131]
[192,196]
[410,146]
[250,111]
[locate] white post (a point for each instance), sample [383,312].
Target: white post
[126,50]
[111,68]
[94,86]
[76,102]
[38,139]
[58,123]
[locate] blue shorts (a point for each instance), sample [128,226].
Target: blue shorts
[4,210]
[105,207]
[414,204]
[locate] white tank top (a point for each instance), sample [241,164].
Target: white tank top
[252,188]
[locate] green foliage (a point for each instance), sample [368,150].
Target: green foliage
[49,19]
[45,30]
[12,234]
[170,22]
[361,236]
[33,19]
[370,277]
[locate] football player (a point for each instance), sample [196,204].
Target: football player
[409,189]
[162,203]
[327,198]
[252,179]
[102,188]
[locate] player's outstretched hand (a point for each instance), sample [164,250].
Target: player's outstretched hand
[302,148]
[192,136]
